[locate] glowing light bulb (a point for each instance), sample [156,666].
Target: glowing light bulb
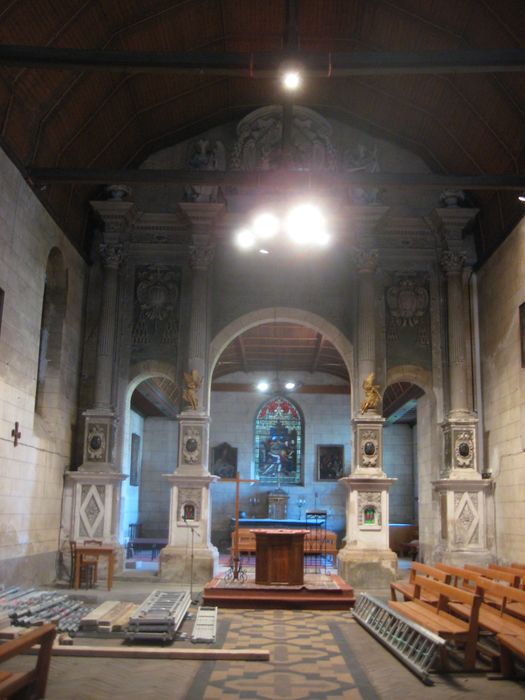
[245,238]
[265,225]
[263,386]
[291,80]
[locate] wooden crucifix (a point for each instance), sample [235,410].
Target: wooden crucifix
[16,434]
[235,553]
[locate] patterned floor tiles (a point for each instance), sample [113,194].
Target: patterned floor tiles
[307,661]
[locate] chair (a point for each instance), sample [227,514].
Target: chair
[88,565]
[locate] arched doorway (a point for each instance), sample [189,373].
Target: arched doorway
[410,442]
[148,451]
[278,435]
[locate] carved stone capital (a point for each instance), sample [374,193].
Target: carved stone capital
[201,255]
[112,254]
[452,262]
[366,260]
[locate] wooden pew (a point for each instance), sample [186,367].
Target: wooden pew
[407,588]
[510,646]
[463,578]
[497,576]
[35,680]
[518,572]
[439,618]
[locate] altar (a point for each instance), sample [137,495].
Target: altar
[279,556]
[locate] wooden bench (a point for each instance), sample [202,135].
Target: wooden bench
[34,681]
[315,542]
[496,620]
[460,577]
[510,646]
[408,588]
[516,571]
[439,618]
[496,575]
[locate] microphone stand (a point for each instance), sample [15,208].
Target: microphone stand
[192,529]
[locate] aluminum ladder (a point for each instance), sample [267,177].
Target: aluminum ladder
[412,644]
[159,616]
[205,627]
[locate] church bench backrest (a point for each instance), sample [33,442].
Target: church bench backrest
[460,577]
[506,594]
[419,569]
[513,579]
[37,676]
[513,571]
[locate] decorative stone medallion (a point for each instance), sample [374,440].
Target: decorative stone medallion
[96,442]
[369,446]
[191,445]
[464,449]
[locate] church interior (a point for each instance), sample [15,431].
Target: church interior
[262,333]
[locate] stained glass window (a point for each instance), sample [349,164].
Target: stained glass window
[279,437]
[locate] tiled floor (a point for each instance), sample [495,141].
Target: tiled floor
[313,656]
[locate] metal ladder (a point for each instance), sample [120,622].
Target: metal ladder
[415,646]
[205,627]
[159,616]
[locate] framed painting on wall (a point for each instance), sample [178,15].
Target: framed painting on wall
[330,462]
[134,469]
[224,461]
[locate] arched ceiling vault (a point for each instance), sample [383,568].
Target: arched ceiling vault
[461,123]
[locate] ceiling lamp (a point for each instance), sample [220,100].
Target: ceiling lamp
[304,225]
[276,385]
[291,79]
[521,197]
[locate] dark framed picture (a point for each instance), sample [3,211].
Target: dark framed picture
[134,468]
[330,462]
[522,333]
[224,461]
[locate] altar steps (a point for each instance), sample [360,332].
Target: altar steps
[323,592]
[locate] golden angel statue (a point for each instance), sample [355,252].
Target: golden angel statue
[192,382]
[372,396]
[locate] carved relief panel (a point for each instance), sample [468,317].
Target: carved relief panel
[156,314]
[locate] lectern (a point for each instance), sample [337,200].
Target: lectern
[279,557]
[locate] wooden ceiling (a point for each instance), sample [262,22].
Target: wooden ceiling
[461,123]
[281,348]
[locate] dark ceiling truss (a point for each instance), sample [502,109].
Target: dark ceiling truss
[277,179]
[265,64]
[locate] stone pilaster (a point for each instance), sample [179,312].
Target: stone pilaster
[366,560]
[189,551]
[464,515]
[366,262]
[95,487]
[190,515]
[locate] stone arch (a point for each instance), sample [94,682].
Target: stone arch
[413,374]
[139,372]
[146,369]
[428,451]
[54,305]
[276,314]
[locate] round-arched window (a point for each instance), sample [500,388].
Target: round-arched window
[279,438]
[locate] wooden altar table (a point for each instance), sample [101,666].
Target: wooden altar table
[279,556]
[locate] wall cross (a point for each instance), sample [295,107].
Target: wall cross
[16,434]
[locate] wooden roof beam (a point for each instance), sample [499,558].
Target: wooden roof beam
[242,352]
[282,179]
[317,352]
[265,64]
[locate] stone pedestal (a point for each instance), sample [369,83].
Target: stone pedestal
[95,504]
[189,520]
[366,560]
[464,511]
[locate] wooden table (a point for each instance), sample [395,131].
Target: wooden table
[94,550]
[279,556]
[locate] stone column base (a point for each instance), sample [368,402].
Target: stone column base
[459,558]
[367,568]
[175,564]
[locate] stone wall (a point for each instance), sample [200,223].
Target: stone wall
[501,291]
[398,463]
[32,473]
[158,458]
[129,497]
